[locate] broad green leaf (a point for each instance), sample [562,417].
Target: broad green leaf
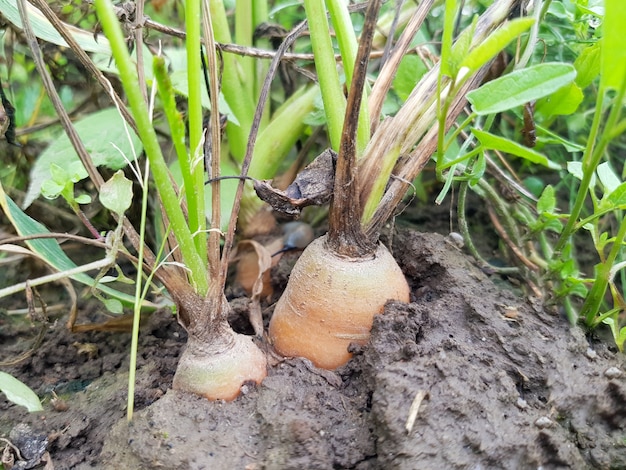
[83,199]
[520,87]
[534,184]
[547,201]
[619,335]
[613,62]
[19,393]
[409,73]
[460,50]
[495,142]
[50,189]
[609,179]
[44,30]
[594,10]
[496,42]
[117,193]
[101,132]
[563,102]
[576,170]
[587,65]
[114,306]
[51,251]
[558,9]
[618,196]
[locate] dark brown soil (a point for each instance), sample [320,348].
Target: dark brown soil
[505,385]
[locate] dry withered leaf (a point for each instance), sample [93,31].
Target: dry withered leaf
[253,273]
[312,186]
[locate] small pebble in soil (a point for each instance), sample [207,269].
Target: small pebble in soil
[521,403]
[612,373]
[543,422]
[591,354]
[456,239]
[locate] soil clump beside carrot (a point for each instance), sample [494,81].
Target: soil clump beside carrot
[508,386]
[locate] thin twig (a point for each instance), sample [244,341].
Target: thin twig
[138,31]
[246,50]
[392,33]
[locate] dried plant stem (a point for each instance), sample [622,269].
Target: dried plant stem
[345,235]
[215,146]
[390,67]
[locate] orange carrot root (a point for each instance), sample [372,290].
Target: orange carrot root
[330,302]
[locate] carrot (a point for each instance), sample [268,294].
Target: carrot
[217,373]
[216,361]
[343,279]
[330,302]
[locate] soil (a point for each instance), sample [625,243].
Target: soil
[502,384]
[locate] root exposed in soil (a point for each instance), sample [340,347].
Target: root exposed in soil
[504,385]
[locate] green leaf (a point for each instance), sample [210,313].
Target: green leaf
[496,42]
[613,56]
[51,251]
[520,87]
[495,142]
[621,339]
[50,189]
[618,196]
[587,65]
[19,393]
[534,184]
[83,199]
[563,102]
[575,169]
[619,335]
[609,179]
[409,72]
[478,169]
[547,201]
[44,30]
[447,38]
[460,50]
[101,132]
[117,193]
[113,306]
